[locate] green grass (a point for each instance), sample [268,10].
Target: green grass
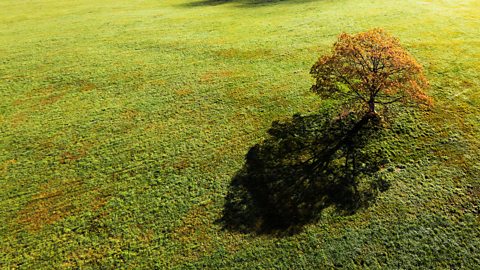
[122,124]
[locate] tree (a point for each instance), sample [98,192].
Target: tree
[369,69]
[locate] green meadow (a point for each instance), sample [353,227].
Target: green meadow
[123,123]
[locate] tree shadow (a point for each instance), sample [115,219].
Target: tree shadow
[307,164]
[243,3]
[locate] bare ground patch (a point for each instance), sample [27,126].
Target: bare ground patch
[55,201]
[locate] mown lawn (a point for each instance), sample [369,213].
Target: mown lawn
[124,122]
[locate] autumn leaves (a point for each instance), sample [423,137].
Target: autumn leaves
[369,70]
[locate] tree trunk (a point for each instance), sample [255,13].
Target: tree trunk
[371,107]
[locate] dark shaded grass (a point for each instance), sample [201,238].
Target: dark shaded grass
[308,164]
[244,3]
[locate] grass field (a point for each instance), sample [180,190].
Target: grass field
[123,123]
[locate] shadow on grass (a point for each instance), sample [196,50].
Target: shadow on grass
[307,164]
[244,3]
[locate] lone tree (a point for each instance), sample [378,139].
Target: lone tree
[367,69]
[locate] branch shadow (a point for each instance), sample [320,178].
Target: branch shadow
[307,164]
[244,3]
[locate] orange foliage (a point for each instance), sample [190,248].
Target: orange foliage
[370,68]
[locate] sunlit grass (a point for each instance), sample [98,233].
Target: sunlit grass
[123,122]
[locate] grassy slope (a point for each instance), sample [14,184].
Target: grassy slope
[122,123]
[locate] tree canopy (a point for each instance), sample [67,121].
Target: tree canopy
[367,69]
